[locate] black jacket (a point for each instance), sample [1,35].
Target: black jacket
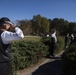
[5,51]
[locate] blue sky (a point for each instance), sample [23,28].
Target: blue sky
[26,9]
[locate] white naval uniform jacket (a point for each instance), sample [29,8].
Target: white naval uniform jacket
[6,37]
[54,36]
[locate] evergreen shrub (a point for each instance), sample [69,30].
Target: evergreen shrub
[69,60]
[59,44]
[26,53]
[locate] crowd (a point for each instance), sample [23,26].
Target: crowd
[70,39]
[6,36]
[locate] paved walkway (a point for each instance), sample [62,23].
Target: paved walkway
[52,66]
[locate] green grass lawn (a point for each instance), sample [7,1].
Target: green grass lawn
[29,38]
[32,38]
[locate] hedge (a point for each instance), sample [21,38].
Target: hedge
[59,44]
[27,53]
[69,60]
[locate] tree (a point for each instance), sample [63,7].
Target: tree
[40,24]
[60,25]
[25,25]
[72,27]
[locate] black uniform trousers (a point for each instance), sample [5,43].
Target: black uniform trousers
[4,68]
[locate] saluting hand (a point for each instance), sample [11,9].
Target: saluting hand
[13,26]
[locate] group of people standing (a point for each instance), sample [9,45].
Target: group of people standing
[6,36]
[70,39]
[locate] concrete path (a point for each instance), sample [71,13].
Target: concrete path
[52,66]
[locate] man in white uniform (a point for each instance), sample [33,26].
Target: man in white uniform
[5,47]
[53,43]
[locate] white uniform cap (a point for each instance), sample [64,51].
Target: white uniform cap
[9,22]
